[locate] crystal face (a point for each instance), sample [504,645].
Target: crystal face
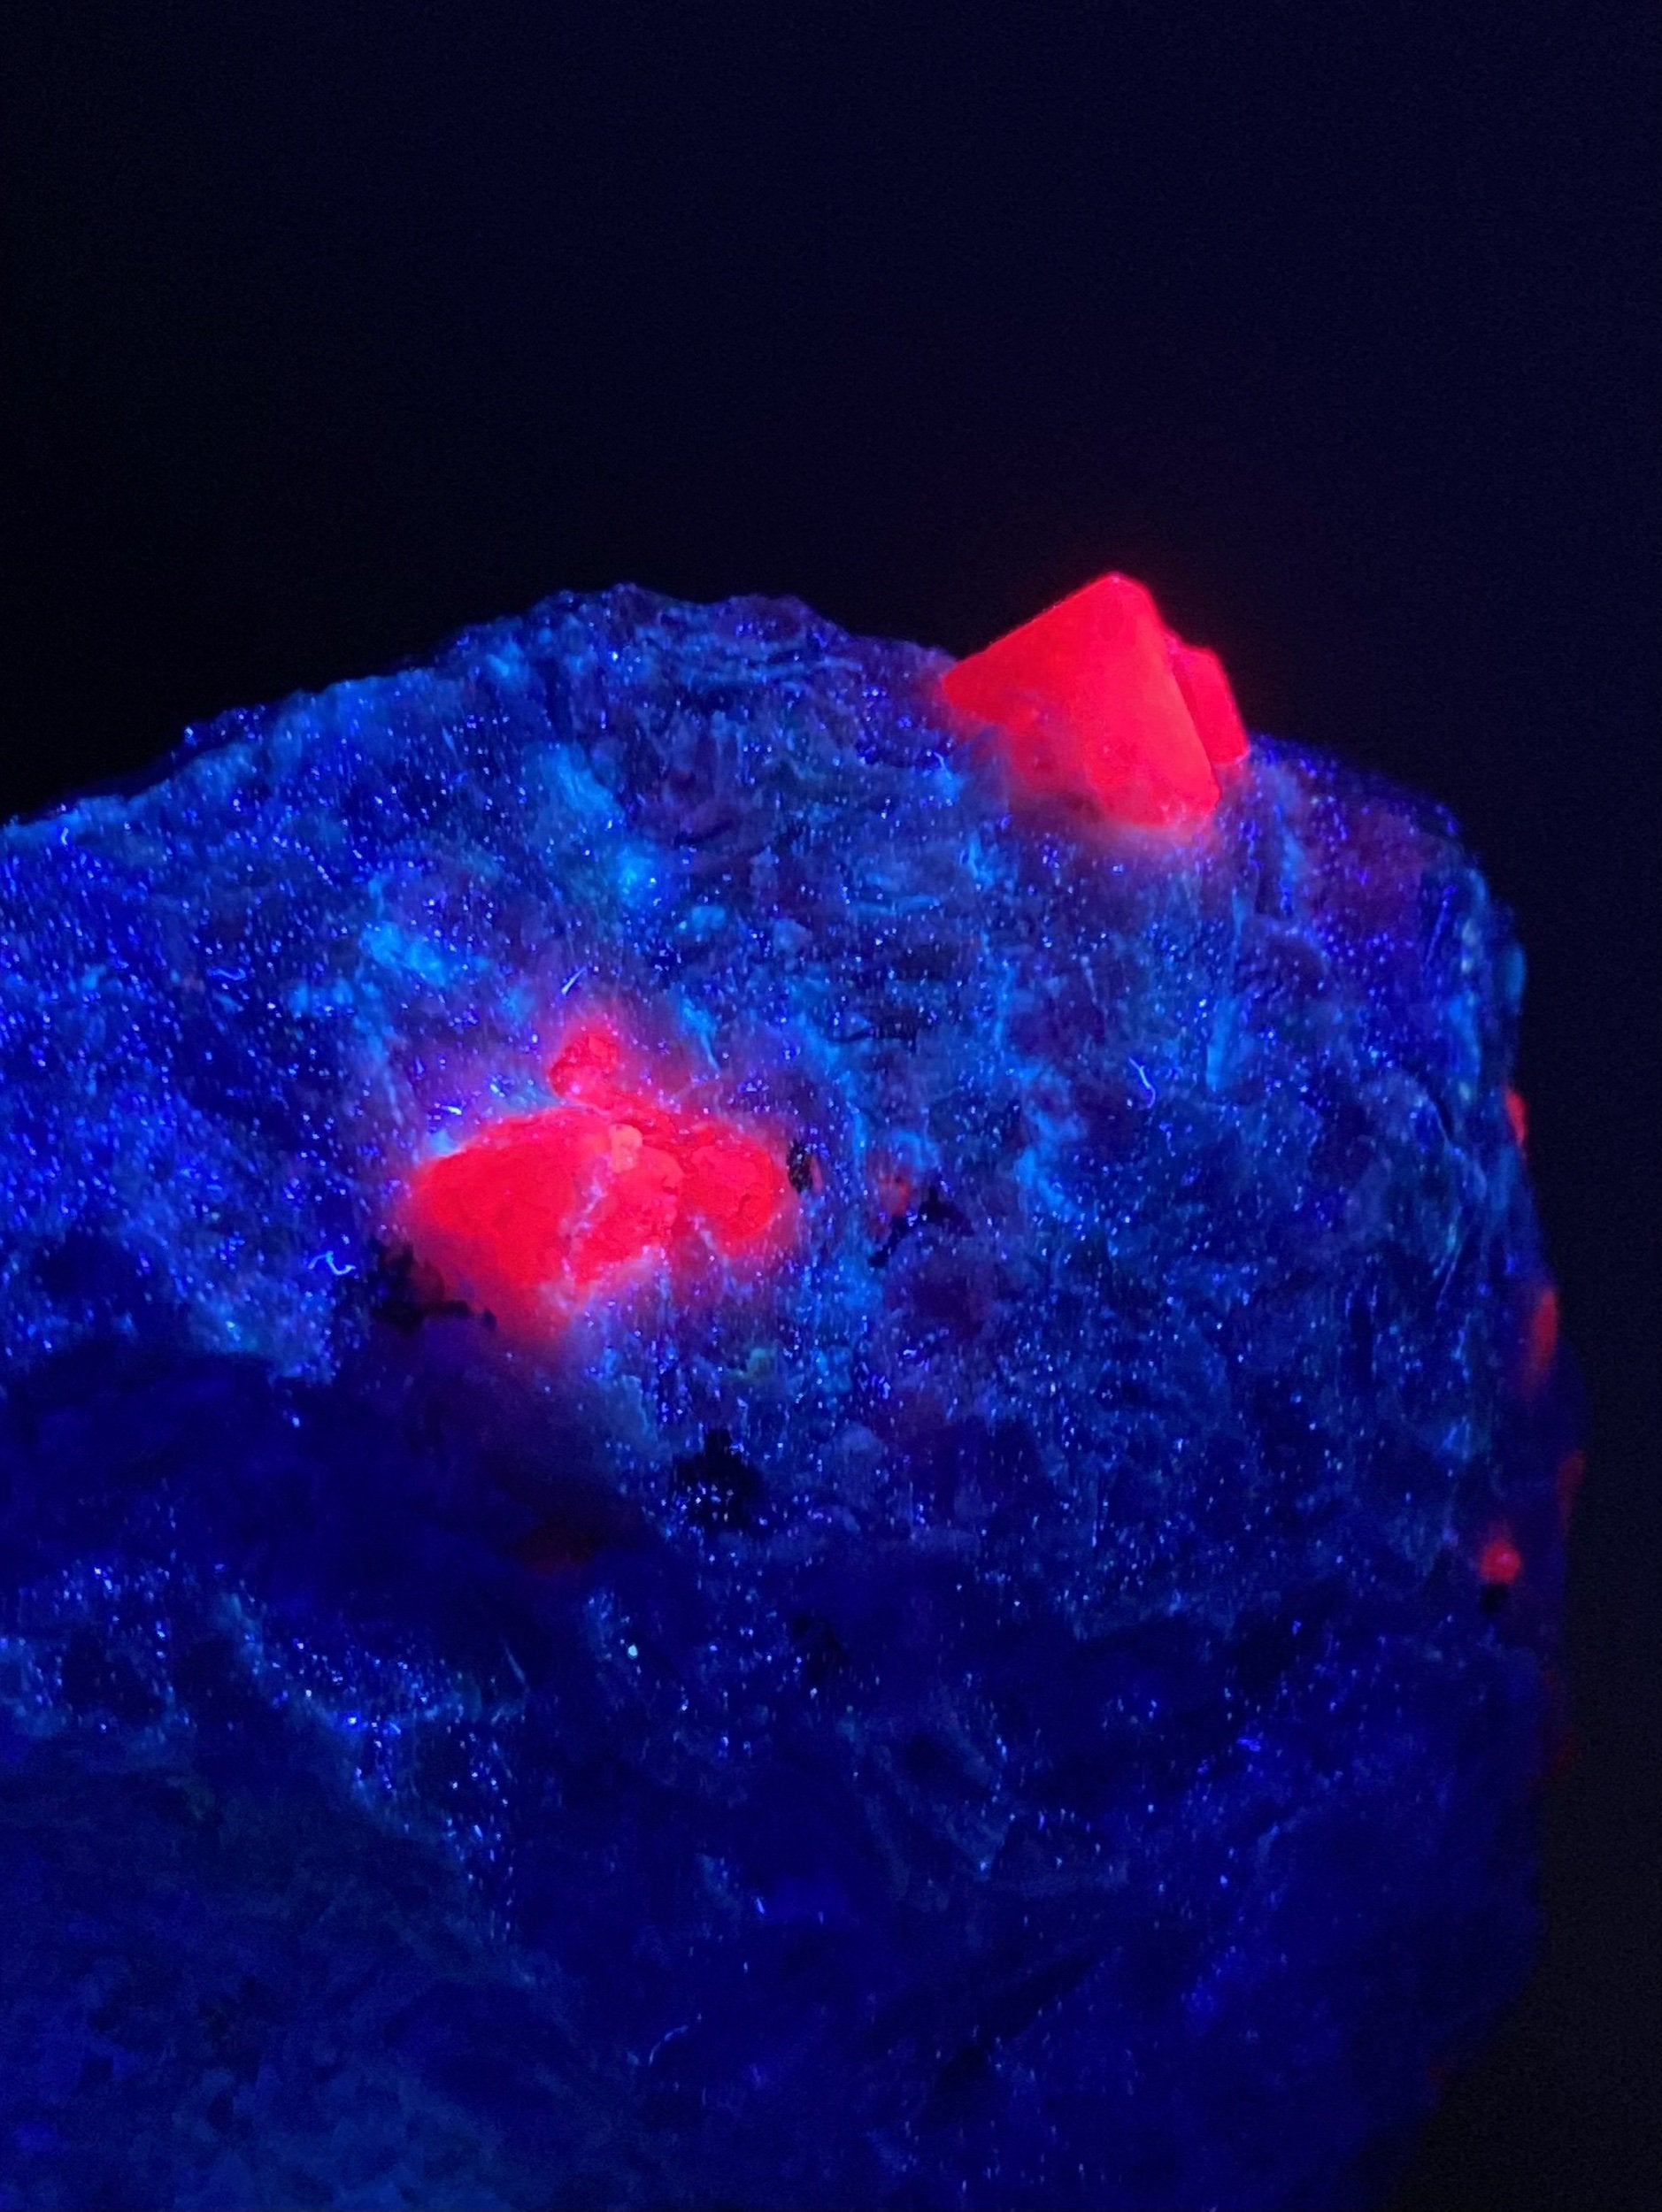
[782,1427]
[1096,698]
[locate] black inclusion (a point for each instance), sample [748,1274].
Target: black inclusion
[799,1167]
[406,1292]
[934,1210]
[718,1490]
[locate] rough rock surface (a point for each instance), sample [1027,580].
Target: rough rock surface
[1031,1697]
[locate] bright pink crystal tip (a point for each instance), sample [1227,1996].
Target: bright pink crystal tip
[1097,699]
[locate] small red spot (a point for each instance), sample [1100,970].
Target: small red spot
[587,1065]
[1500,1561]
[554,1551]
[895,1191]
[1541,1344]
[1571,1474]
[1517,1114]
[541,1213]
[575,1524]
[1097,700]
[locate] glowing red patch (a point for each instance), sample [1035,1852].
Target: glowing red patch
[895,1190]
[541,1213]
[1097,699]
[1541,1345]
[1500,1560]
[1517,1114]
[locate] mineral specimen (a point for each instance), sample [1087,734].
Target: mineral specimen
[781,1427]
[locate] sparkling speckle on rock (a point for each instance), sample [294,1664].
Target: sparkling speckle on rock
[1031,1697]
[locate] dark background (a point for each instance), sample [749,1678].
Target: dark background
[328,329]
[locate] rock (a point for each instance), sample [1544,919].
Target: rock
[771,1465]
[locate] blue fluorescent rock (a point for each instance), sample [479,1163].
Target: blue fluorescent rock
[1015,1706]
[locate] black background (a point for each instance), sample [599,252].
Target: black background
[329,328]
